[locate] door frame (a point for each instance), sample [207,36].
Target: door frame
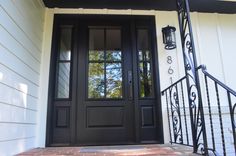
[68,18]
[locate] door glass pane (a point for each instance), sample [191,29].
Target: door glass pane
[63,80]
[62,89]
[145,71]
[113,55]
[113,39]
[96,55]
[96,44]
[145,79]
[113,44]
[144,55]
[96,81]
[65,43]
[143,40]
[113,80]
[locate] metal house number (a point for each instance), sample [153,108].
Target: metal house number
[170,70]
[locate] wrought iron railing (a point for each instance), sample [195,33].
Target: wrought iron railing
[219,109]
[189,103]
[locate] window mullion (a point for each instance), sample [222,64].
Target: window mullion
[105,71]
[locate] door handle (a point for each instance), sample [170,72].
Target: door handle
[130,84]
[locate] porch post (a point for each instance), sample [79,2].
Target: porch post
[193,85]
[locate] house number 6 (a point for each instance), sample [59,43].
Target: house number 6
[170,71]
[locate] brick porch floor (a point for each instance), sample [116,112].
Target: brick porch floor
[125,150]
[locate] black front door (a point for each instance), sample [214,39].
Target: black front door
[105,111]
[105,82]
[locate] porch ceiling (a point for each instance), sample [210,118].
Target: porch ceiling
[195,5]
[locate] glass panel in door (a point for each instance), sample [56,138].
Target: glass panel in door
[105,64]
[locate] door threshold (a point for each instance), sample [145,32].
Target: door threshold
[105,144]
[59,145]
[150,142]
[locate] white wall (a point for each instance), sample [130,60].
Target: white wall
[215,44]
[215,38]
[21,37]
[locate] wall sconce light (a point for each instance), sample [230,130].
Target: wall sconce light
[169,39]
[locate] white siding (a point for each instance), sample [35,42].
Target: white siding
[21,36]
[215,43]
[215,47]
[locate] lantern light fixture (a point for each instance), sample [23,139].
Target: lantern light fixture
[168,34]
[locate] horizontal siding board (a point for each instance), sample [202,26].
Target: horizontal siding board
[10,114]
[39,8]
[16,81]
[18,34]
[29,14]
[16,146]
[16,49]
[18,74]
[14,131]
[16,98]
[25,25]
[9,60]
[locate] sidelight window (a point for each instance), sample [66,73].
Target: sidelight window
[145,64]
[105,63]
[62,89]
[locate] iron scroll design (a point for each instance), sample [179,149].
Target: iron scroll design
[175,113]
[192,79]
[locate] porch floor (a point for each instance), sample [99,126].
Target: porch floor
[122,150]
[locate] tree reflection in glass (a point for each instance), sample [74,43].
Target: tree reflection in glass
[95,55]
[113,55]
[113,80]
[145,76]
[96,80]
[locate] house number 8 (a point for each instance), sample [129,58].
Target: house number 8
[169,60]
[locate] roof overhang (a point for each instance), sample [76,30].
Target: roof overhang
[219,6]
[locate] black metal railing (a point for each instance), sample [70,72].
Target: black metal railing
[219,109]
[221,95]
[200,108]
[193,94]
[175,97]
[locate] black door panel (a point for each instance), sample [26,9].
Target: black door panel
[105,116]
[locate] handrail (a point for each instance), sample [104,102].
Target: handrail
[203,68]
[162,92]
